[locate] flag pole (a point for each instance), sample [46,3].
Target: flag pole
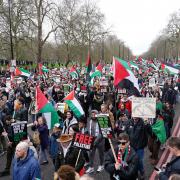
[78,157]
[112,148]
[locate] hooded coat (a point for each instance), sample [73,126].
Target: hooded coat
[26,169]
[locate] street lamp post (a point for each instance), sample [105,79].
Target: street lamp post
[10,29]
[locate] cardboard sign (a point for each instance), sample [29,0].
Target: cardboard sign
[104,124]
[83,141]
[19,131]
[144,107]
[152,82]
[61,107]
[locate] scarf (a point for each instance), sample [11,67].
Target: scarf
[126,155]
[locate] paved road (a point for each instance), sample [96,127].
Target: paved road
[47,170]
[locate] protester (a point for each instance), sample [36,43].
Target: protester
[99,142]
[69,123]
[53,144]
[126,167]
[173,167]
[66,172]
[44,139]
[68,155]
[25,166]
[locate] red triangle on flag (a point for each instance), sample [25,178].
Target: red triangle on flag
[120,72]
[162,66]
[99,67]
[70,96]
[41,99]
[17,72]
[72,69]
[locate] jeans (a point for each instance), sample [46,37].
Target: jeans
[42,155]
[140,154]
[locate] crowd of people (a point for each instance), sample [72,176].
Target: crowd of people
[131,135]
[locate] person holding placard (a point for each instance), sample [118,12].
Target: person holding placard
[67,154]
[94,130]
[126,166]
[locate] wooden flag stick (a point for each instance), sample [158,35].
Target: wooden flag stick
[112,148]
[78,157]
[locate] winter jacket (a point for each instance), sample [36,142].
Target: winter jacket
[43,136]
[26,169]
[21,115]
[172,167]
[54,145]
[70,158]
[138,134]
[126,173]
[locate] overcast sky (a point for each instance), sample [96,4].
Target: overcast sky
[138,22]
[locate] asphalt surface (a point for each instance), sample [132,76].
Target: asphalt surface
[47,170]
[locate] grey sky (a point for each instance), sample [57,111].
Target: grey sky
[138,22]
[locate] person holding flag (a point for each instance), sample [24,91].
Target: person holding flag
[126,166]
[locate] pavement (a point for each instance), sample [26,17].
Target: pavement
[47,170]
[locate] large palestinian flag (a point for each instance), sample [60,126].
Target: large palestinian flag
[74,105]
[22,72]
[169,69]
[46,108]
[122,71]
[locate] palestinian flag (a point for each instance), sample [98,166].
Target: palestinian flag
[88,63]
[159,130]
[74,105]
[46,108]
[169,69]
[151,64]
[73,73]
[97,73]
[42,69]
[121,71]
[21,72]
[133,65]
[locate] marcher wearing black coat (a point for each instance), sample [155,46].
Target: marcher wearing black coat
[129,172]
[69,159]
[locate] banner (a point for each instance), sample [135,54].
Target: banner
[143,107]
[83,141]
[104,124]
[19,131]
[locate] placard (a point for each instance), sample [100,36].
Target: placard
[103,89]
[66,88]
[19,131]
[83,141]
[152,82]
[122,91]
[61,107]
[103,83]
[104,124]
[143,107]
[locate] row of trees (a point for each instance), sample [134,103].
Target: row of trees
[60,30]
[167,45]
